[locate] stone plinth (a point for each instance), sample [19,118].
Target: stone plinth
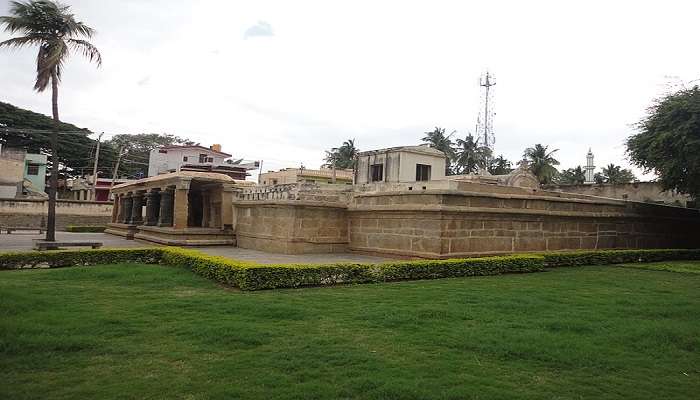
[185,237]
[291,226]
[119,229]
[448,223]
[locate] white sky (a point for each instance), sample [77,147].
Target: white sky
[282,81]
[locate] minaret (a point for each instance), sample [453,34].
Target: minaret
[589,167]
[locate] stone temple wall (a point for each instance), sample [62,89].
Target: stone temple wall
[293,219]
[448,223]
[32,213]
[454,219]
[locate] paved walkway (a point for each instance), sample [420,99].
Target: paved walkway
[22,241]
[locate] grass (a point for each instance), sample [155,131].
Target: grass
[145,331]
[689,267]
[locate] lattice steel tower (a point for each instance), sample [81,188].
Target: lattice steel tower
[484,122]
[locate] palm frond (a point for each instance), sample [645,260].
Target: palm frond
[87,49]
[20,42]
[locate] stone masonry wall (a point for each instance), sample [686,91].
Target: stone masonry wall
[32,213]
[451,224]
[291,227]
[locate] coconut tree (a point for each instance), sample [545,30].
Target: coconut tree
[343,156]
[500,166]
[439,141]
[542,162]
[471,155]
[615,174]
[572,176]
[54,30]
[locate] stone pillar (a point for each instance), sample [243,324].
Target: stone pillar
[115,209]
[227,207]
[206,209]
[137,209]
[152,207]
[128,205]
[181,205]
[165,215]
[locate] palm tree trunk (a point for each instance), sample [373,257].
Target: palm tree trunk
[53,188]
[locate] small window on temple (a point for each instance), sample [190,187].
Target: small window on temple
[422,172]
[210,159]
[202,158]
[184,158]
[274,181]
[377,171]
[32,169]
[163,151]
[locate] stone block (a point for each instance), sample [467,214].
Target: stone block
[530,244]
[563,243]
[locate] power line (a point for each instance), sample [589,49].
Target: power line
[4,129]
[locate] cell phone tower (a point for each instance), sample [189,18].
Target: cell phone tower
[484,122]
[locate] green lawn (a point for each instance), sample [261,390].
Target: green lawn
[131,331]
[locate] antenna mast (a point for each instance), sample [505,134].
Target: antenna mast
[485,121]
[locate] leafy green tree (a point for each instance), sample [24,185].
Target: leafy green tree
[342,157]
[30,131]
[439,141]
[51,27]
[542,162]
[471,155]
[668,142]
[500,166]
[137,149]
[615,174]
[572,176]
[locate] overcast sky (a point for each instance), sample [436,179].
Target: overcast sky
[282,81]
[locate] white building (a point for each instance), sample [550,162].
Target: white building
[400,164]
[197,158]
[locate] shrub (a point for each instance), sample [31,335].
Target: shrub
[256,277]
[84,229]
[250,276]
[69,258]
[605,257]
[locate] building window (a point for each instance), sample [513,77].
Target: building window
[202,158]
[377,171]
[184,158]
[210,159]
[422,172]
[274,181]
[33,169]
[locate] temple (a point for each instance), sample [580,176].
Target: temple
[181,208]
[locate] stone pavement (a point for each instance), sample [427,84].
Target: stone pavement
[22,241]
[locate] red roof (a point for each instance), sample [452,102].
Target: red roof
[195,147]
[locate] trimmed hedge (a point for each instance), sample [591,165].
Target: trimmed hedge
[256,277]
[250,276]
[84,229]
[71,258]
[606,257]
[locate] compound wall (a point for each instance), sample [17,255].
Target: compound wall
[32,213]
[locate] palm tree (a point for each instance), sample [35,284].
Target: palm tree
[50,26]
[500,166]
[542,162]
[572,176]
[437,140]
[342,157]
[471,155]
[615,174]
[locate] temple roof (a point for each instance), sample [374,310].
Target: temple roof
[174,177]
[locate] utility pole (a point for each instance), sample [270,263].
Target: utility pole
[94,168]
